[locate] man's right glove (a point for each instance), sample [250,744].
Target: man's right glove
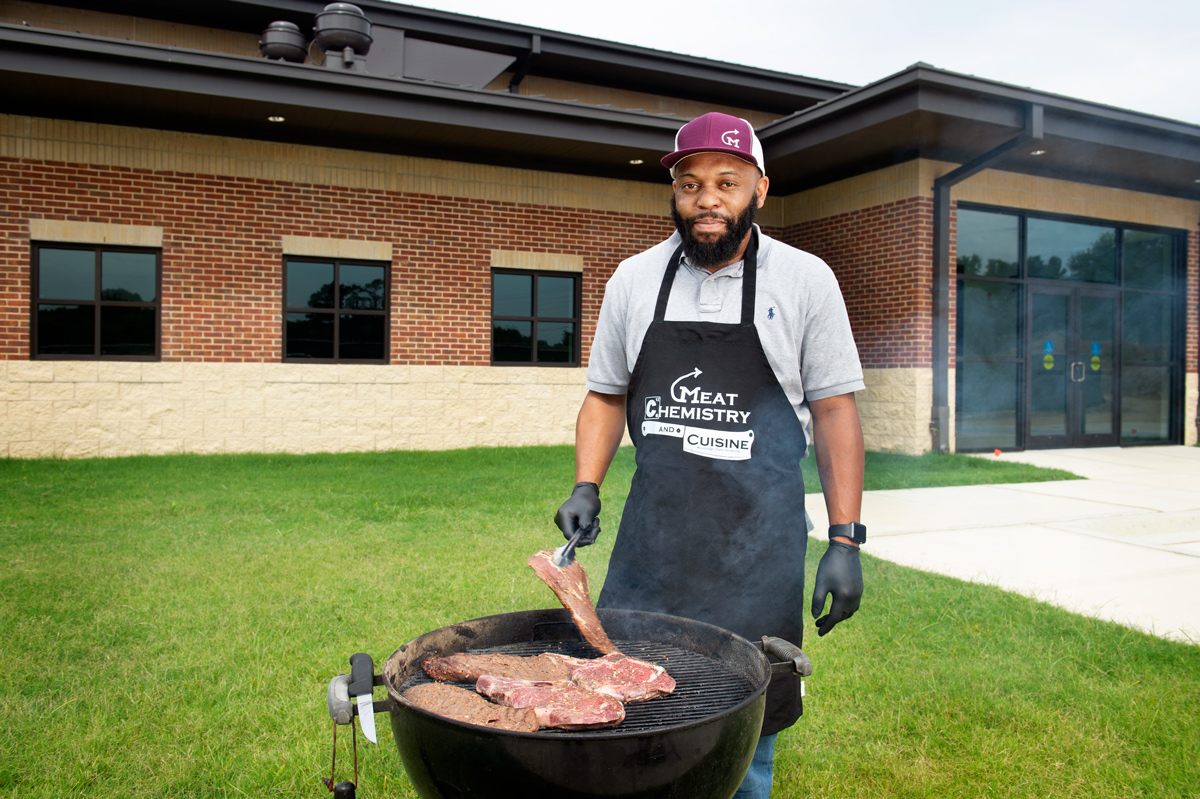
[580,512]
[839,573]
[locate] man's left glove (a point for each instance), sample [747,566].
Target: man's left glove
[580,512]
[839,573]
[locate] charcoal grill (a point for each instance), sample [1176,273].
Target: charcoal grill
[695,743]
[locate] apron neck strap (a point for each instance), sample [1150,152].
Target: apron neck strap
[749,281]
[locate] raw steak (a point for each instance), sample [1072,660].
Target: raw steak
[570,585]
[467,667]
[624,678]
[462,704]
[557,703]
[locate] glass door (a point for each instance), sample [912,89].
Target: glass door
[1073,367]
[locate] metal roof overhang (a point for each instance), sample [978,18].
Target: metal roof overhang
[562,56]
[929,113]
[920,112]
[71,76]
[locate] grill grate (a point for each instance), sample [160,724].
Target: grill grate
[703,686]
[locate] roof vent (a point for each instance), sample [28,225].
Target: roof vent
[283,40]
[343,27]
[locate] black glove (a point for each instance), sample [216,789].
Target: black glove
[580,512]
[839,573]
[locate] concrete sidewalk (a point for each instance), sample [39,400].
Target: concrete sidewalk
[1122,545]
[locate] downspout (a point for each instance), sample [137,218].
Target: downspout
[940,422]
[525,64]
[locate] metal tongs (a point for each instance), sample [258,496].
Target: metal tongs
[564,556]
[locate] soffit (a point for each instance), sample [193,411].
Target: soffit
[929,113]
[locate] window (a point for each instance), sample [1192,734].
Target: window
[96,302]
[1070,331]
[335,311]
[1071,251]
[535,318]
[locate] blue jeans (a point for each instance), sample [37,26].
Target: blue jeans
[757,784]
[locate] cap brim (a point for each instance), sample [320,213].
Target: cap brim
[671,159]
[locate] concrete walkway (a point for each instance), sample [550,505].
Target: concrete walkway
[1122,545]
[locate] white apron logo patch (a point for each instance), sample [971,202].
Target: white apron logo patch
[695,404]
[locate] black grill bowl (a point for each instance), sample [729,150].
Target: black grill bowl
[695,744]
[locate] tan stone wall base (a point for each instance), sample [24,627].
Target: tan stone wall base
[87,409]
[894,409]
[104,409]
[1191,398]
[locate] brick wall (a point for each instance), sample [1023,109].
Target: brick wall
[883,259]
[1193,301]
[220,386]
[222,272]
[223,207]
[1191,402]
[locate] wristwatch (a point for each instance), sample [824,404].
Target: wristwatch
[854,531]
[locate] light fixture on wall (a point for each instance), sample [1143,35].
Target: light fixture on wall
[1037,152]
[275,118]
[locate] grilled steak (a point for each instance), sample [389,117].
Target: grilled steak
[467,706]
[558,703]
[624,678]
[570,585]
[467,668]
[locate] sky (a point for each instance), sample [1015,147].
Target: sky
[1140,55]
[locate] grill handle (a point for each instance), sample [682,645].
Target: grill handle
[792,658]
[342,709]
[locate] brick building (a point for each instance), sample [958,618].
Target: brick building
[203,249]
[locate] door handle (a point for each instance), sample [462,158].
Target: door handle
[1082,372]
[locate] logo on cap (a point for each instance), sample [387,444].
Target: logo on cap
[716,132]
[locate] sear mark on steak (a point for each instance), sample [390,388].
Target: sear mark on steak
[570,585]
[623,678]
[558,703]
[462,704]
[465,667]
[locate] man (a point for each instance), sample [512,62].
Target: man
[717,347]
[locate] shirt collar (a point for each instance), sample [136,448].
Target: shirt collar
[732,270]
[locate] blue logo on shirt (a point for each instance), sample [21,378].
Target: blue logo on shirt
[771,312]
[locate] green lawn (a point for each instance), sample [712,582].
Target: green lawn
[170,626]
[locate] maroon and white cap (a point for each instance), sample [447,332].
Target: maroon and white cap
[715,132]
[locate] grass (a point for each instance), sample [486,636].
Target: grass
[886,470]
[170,626]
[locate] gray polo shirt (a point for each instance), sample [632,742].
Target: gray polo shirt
[798,312]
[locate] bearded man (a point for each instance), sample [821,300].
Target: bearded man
[718,347]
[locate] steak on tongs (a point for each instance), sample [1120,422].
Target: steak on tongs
[570,585]
[617,675]
[558,703]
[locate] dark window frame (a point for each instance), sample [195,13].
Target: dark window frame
[335,311]
[1028,284]
[98,302]
[577,319]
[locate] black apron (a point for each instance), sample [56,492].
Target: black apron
[714,526]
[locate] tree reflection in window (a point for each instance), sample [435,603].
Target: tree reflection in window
[1072,251]
[96,302]
[335,311]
